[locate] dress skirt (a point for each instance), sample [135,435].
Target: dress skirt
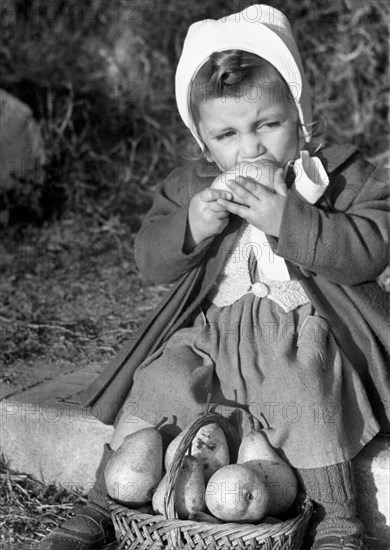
[284,367]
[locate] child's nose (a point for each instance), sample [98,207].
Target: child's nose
[250,147]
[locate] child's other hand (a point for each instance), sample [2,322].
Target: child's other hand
[259,205]
[221,180]
[206,216]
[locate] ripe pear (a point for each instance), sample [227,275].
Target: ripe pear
[135,469]
[281,481]
[209,445]
[189,489]
[158,496]
[261,171]
[238,493]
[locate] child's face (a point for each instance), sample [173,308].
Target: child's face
[259,125]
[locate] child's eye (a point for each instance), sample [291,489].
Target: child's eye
[271,124]
[224,136]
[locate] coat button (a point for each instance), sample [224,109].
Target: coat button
[260,290]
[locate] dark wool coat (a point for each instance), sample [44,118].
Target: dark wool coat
[336,248]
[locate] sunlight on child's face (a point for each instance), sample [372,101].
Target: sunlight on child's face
[259,124]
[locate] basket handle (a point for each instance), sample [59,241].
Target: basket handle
[183,447]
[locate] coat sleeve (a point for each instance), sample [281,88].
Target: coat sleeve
[159,244]
[348,243]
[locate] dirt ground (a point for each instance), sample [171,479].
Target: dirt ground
[70,297]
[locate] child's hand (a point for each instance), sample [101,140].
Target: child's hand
[259,205]
[206,216]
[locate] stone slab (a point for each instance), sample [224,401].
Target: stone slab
[53,389]
[21,144]
[372,475]
[54,441]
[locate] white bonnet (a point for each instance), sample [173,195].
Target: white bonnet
[259,29]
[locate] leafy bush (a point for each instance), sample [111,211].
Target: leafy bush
[99,77]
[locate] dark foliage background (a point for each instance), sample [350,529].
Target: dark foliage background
[99,77]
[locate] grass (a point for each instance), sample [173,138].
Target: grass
[30,509]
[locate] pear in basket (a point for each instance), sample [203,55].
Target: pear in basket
[209,445]
[256,451]
[189,489]
[135,469]
[237,493]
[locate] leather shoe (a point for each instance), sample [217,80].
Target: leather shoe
[86,529]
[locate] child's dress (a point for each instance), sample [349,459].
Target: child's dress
[264,346]
[259,343]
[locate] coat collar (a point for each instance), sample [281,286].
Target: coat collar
[334,156]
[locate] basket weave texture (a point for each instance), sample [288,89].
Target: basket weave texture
[141,531]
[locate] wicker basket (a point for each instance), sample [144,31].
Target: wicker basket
[142,531]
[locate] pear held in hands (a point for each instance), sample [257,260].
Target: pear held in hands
[135,469]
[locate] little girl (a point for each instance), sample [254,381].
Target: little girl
[273,241]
